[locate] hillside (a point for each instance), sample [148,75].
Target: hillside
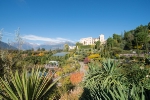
[4,45]
[47,46]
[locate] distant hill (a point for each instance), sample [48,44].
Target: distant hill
[25,45]
[4,45]
[47,46]
[52,46]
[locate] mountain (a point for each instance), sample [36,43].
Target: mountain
[53,46]
[25,45]
[47,46]
[4,45]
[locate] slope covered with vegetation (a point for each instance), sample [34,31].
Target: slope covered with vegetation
[116,70]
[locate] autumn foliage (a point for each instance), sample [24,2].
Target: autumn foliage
[41,54]
[73,94]
[76,78]
[86,60]
[94,56]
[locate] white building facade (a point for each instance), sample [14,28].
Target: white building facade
[91,41]
[72,47]
[87,41]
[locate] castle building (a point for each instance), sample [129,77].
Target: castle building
[91,41]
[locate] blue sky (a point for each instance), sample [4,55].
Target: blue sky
[43,21]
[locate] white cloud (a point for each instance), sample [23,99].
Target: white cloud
[45,39]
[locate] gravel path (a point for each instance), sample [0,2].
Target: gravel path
[82,68]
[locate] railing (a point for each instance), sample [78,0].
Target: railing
[51,66]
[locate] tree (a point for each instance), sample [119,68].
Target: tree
[128,36]
[66,47]
[140,28]
[19,39]
[43,49]
[110,42]
[50,53]
[32,49]
[142,39]
[97,45]
[43,60]
[78,45]
[38,49]
[128,46]
[117,37]
[149,25]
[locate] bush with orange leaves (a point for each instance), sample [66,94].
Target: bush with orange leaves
[74,94]
[76,77]
[41,54]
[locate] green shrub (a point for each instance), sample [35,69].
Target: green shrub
[133,57]
[117,56]
[86,46]
[140,58]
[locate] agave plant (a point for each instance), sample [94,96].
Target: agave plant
[35,85]
[106,82]
[100,79]
[108,74]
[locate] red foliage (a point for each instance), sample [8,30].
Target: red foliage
[86,60]
[76,78]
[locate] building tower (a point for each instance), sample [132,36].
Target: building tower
[101,38]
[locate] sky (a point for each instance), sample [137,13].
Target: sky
[43,21]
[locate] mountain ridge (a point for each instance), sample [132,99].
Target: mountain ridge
[4,46]
[47,46]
